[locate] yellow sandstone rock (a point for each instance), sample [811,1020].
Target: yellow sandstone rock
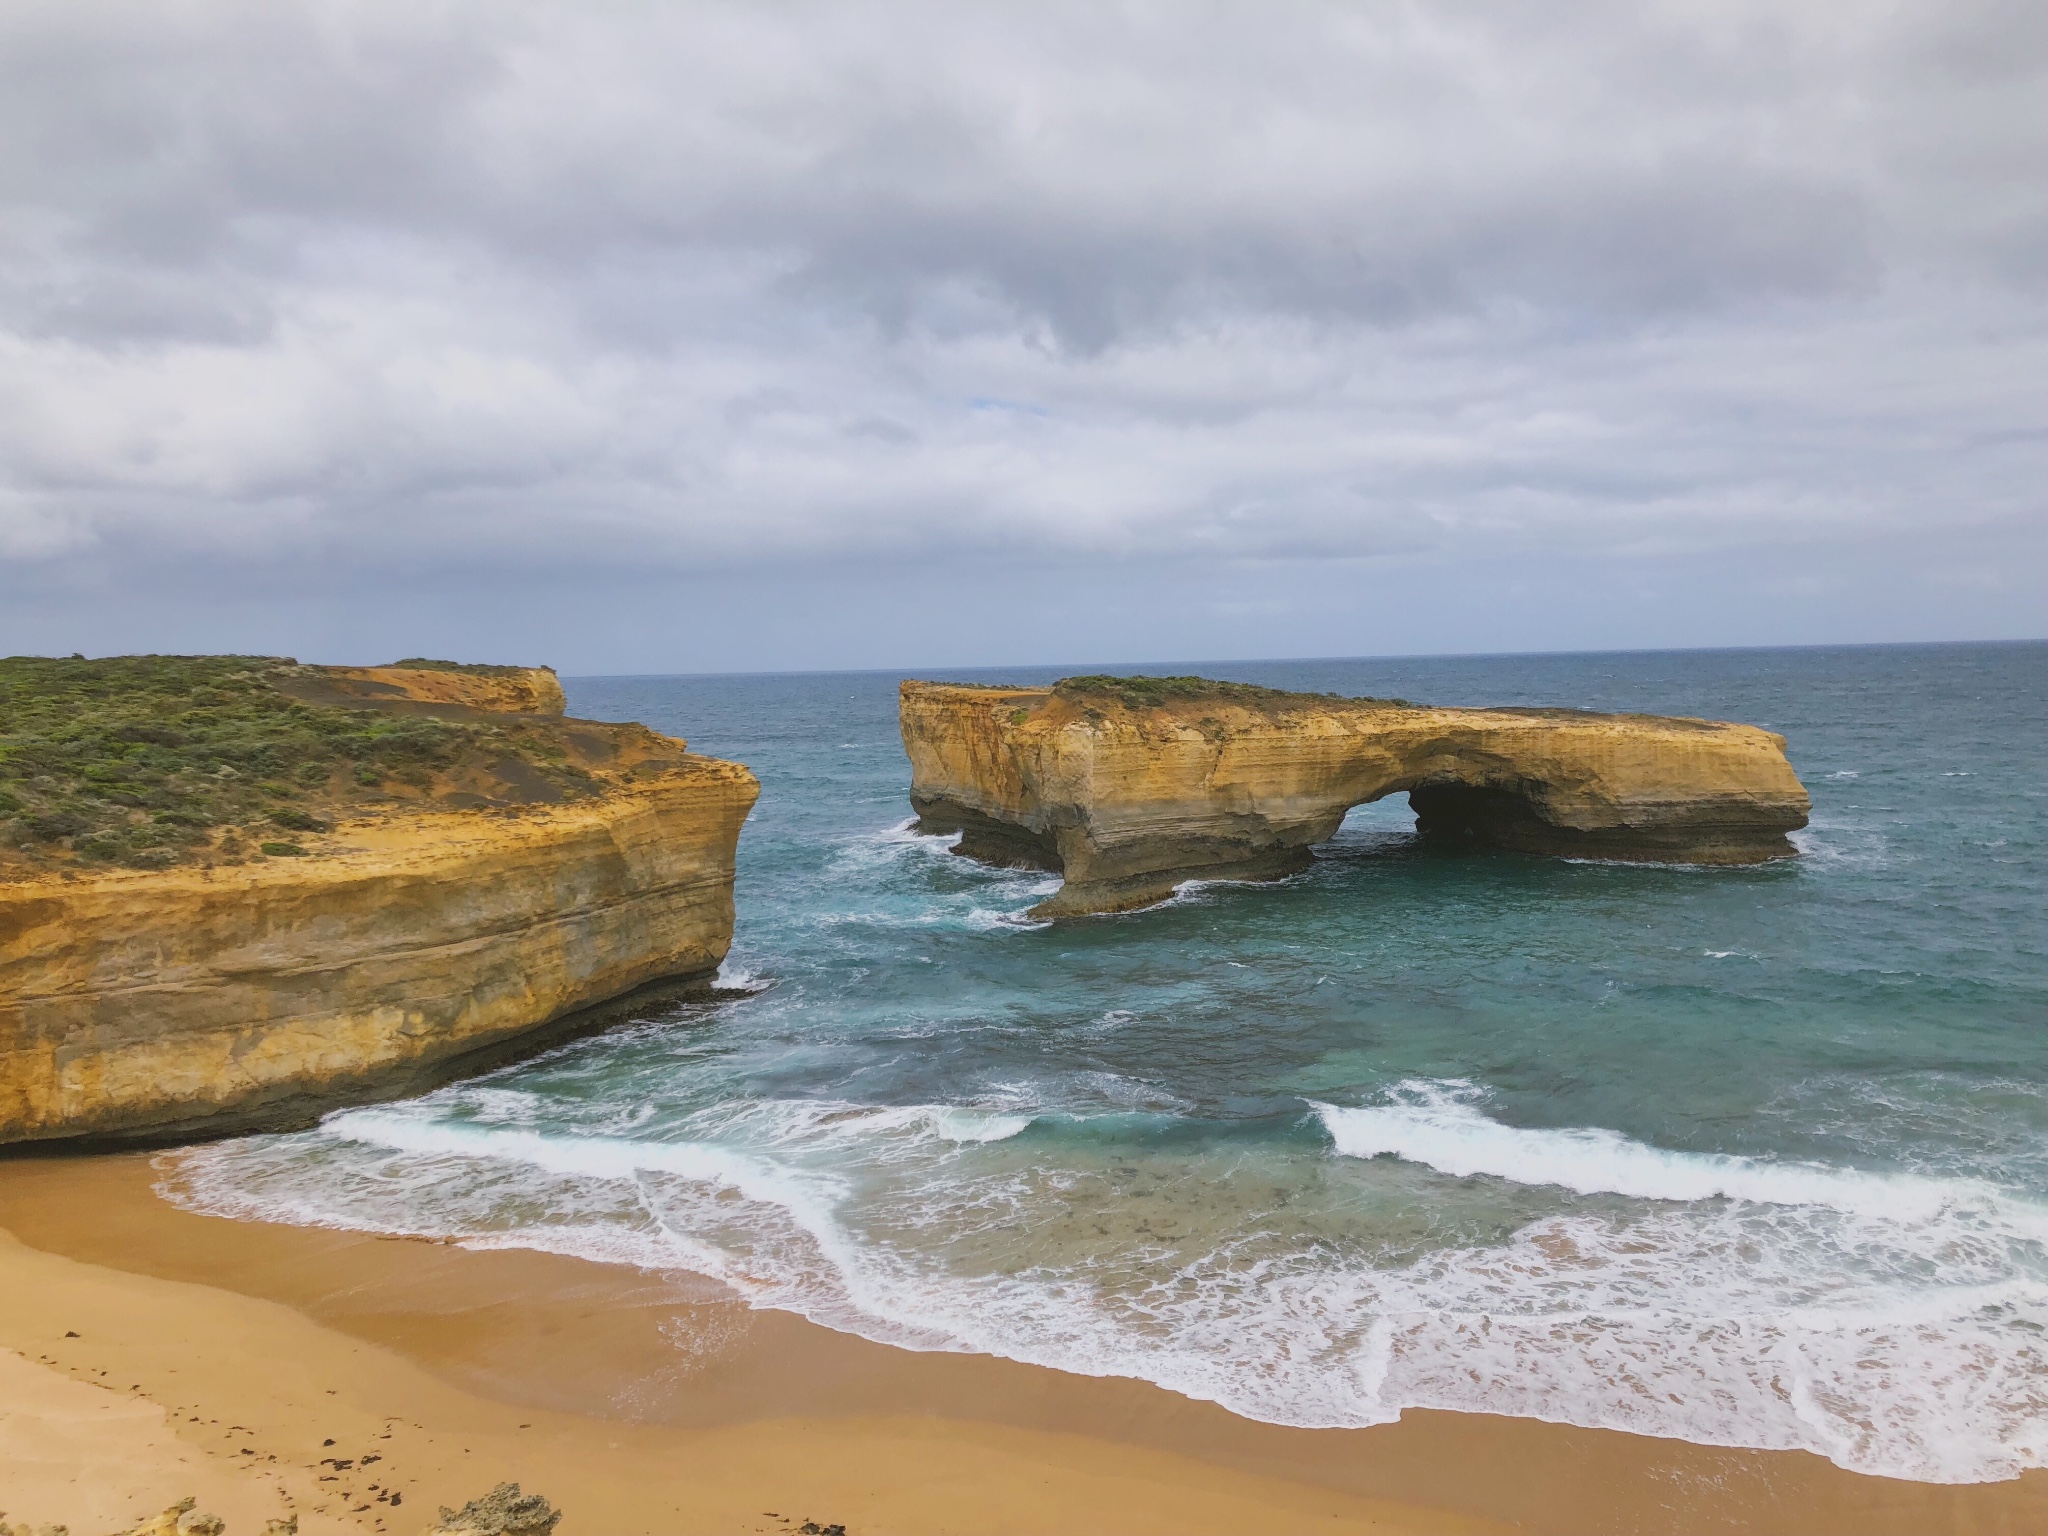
[181,1519]
[410,943]
[1130,789]
[504,1511]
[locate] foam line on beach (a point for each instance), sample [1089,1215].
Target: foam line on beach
[1712,1308]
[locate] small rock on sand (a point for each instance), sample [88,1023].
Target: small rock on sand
[504,1511]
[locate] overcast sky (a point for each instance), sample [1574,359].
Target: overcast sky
[680,337]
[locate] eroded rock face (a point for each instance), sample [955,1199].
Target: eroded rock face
[1130,790]
[406,940]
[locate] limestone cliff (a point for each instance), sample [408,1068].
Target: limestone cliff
[1130,786]
[496,896]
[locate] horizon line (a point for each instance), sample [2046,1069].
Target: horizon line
[1645,650]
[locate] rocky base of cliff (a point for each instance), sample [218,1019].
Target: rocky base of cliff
[985,839]
[1459,816]
[299,1105]
[1134,892]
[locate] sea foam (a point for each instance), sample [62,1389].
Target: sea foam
[1892,1325]
[1441,1125]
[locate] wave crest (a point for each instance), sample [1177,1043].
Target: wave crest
[1440,1124]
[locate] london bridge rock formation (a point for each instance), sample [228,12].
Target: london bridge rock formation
[1129,786]
[235,891]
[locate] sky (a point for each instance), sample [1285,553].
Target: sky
[640,337]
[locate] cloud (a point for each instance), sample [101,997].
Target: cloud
[555,291]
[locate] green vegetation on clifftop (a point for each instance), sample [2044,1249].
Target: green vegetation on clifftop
[1153,692]
[481,668]
[148,761]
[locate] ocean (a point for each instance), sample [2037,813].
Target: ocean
[1747,1157]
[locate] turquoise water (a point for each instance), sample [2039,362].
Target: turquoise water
[1748,1157]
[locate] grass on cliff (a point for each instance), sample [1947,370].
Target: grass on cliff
[149,761]
[1153,692]
[480,668]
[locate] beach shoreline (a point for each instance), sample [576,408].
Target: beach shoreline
[660,1403]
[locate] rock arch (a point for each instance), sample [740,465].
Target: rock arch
[1129,786]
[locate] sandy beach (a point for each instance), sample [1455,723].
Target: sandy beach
[360,1382]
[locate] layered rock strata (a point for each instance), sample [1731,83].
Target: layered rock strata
[1130,787]
[398,944]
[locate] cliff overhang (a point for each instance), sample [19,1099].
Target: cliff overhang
[1130,786]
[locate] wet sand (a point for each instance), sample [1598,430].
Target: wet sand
[659,1404]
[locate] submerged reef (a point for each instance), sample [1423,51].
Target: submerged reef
[237,891]
[1130,786]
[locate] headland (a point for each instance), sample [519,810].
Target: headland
[237,891]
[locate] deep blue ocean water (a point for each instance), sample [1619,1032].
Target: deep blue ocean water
[1745,1156]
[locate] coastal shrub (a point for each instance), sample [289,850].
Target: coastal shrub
[283,850]
[1153,692]
[430,664]
[49,826]
[165,756]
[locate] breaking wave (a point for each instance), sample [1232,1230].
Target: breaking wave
[1894,1325]
[1441,1125]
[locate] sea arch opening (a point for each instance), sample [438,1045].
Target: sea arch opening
[1447,811]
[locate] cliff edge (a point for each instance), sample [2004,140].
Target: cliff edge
[1129,786]
[236,892]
